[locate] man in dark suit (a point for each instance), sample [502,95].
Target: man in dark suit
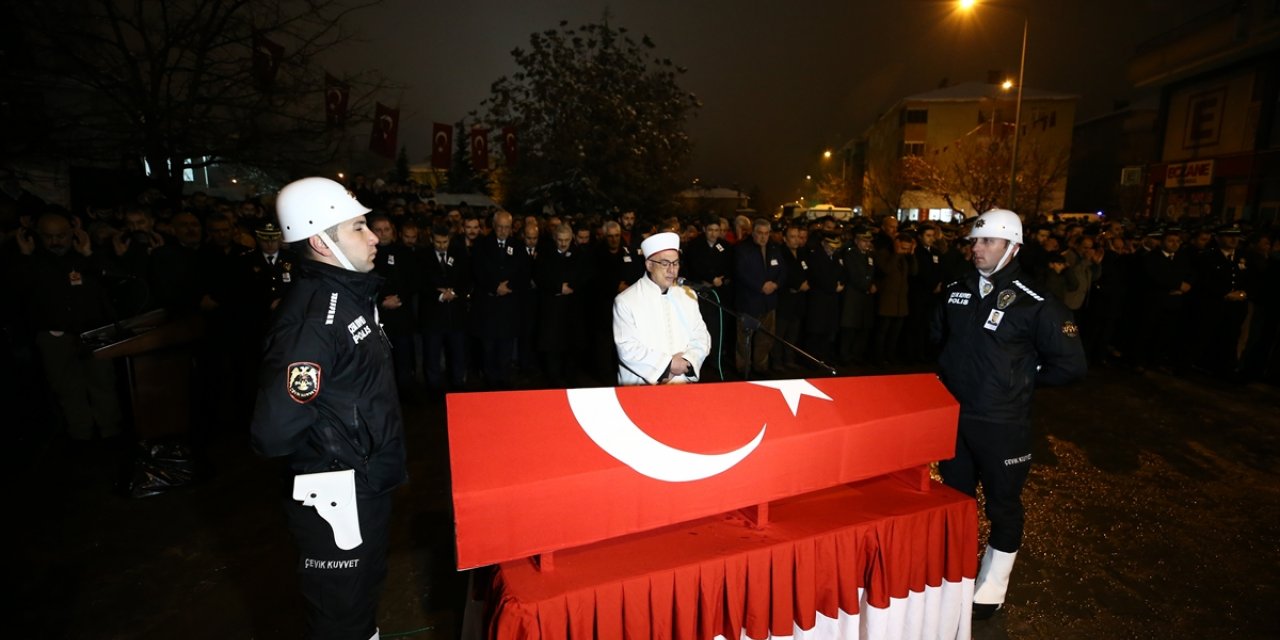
[826,283]
[445,276]
[501,269]
[858,308]
[710,260]
[559,275]
[1168,275]
[395,297]
[793,295]
[758,272]
[1221,300]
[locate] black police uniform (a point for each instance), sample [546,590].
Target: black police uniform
[995,350]
[327,401]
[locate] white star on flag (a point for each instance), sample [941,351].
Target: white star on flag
[792,390]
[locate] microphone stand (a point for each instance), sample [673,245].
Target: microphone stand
[751,325]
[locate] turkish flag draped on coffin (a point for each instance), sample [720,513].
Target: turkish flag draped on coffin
[441,145]
[537,471]
[386,123]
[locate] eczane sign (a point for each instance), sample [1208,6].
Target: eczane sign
[1189,174]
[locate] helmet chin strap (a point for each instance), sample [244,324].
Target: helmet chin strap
[337,253]
[1004,260]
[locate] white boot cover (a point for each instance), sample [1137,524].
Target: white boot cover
[993,576]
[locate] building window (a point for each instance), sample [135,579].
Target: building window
[915,116]
[912,149]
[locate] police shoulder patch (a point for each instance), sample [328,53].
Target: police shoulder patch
[1070,330]
[302,381]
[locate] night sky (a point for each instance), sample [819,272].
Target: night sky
[779,81]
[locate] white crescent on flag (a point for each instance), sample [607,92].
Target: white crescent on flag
[442,141]
[607,424]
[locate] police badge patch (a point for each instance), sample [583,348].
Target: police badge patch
[1005,299]
[1070,330]
[302,380]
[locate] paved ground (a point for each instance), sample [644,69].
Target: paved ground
[1154,512]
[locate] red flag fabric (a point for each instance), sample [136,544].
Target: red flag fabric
[266,60]
[509,145]
[479,149]
[386,123]
[336,95]
[441,146]
[528,465]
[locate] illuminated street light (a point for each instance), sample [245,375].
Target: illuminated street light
[826,155]
[1006,85]
[341,175]
[968,5]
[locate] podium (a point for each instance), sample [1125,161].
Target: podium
[158,361]
[745,509]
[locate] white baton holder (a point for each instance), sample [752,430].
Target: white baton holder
[333,494]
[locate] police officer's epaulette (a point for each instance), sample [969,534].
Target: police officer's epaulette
[953,283]
[1033,294]
[321,304]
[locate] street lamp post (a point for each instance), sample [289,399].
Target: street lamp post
[1017,115]
[968,5]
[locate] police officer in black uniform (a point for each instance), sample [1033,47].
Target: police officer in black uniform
[327,405]
[1000,338]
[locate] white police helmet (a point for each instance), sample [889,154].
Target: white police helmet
[310,205]
[998,223]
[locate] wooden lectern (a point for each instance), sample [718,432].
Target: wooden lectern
[158,358]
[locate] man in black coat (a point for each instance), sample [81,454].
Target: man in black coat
[445,276]
[858,311]
[826,283]
[793,296]
[62,284]
[1222,300]
[758,272]
[710,259]
[559,276]
[501,268]
[395,298]
[922,293]
[1168,278]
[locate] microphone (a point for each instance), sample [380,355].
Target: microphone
[696,286]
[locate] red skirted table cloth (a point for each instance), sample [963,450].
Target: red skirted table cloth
[875,559]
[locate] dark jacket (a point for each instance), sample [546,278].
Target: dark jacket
[327,397]
[858,309]
[559,313]
[496,316]
[435,315]
[395,264]
[791,300]
[752,269]
[826,278]
[995,350]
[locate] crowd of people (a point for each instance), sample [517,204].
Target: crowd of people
[477,298]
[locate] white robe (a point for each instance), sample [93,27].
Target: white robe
[650,327]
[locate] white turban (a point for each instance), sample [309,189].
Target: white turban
[659,242]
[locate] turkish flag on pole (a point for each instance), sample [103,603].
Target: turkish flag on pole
[570,467]
[441,145]
[479,149]
[386,123]
[509,145]
[336,95]
[266,60]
